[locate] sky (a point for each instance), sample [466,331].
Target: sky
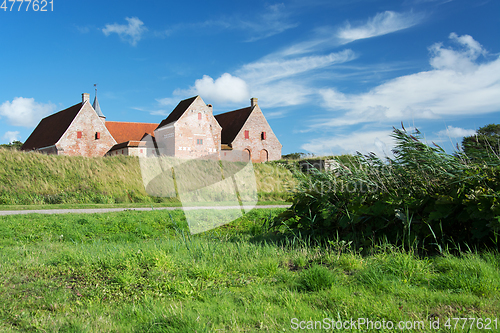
[331,76]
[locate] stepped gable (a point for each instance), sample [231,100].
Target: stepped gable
[51,128]
[232,122]
[177,112]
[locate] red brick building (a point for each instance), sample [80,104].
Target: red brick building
[82,130]
[246,135]
[190,131]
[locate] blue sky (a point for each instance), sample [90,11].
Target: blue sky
[331,76]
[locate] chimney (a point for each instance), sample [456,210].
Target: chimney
[210,108]
[85,97]
[253,101]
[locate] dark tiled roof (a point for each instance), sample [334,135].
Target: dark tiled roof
[178,111]
[97,108]
[232,122]
[125,131]
[128,144]
[51,128]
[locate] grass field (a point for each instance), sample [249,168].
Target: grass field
[143,272]
[37,179]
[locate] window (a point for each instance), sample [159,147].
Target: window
[247,134]
[199,141]
[263,135]
[97,135]
[199,115]
[79,134]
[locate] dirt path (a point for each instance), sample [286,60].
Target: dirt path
[107,210]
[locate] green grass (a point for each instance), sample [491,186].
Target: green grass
[37,179]
[143,272]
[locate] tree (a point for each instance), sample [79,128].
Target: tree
[485,144]
[15,145]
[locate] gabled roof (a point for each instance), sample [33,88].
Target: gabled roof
[178,111]
[97,108]
[51,128]
[125,131]
[232,122]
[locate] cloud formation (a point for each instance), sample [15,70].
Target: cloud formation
[225,89]
[25,111]
[11,136]
[456,132]
[272,22]
[131,32]
[328,37]
[378,141]
[275,68]
[457,84]
[380,24]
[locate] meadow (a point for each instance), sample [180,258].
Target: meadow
[37,179]
[144,272]
[405,244]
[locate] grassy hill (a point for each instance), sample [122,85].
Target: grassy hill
[32,178]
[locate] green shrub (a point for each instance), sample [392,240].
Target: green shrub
[423,198]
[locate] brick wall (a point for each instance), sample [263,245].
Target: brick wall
[89,143]
[195,134]
[260,149]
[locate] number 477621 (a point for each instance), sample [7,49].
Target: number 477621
[34,5]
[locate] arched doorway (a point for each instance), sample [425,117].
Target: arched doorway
[264,155]
[247,155]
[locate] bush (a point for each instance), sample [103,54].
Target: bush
[423,198]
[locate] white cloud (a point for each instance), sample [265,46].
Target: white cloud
[272,22]
[11,136]
[131,32]
[25,111]
[462,61]
[282,93]
[457,84]
[272,79]
[167,101]
[380,24]
[270,69]
[267,22]
[362,141]
[456,132]
[226,88]
[326,36]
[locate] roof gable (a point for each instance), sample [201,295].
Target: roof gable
[232,122]
[125,131]
[51,128]
[178,111]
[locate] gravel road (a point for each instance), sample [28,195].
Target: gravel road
[107,210]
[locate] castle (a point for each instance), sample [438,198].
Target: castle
[190,131]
